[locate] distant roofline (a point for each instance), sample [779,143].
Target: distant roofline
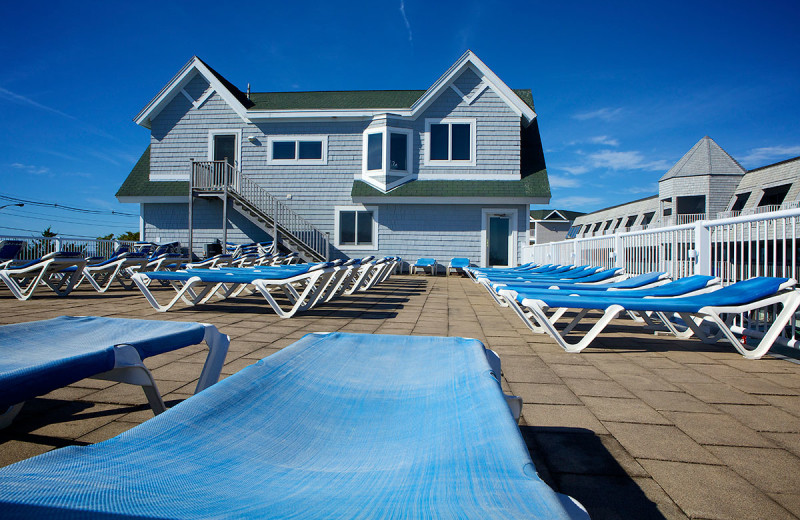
[773,164]
[623,204]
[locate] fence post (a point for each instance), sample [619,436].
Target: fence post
[702,248]
[619,251]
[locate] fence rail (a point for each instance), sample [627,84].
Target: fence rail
[220,176]
[36,247]
[736,248]
[733,249]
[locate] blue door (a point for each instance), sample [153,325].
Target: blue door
[499,233]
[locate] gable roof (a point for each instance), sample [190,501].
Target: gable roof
[704,158]
[326,104]
[349,99]
[555,214]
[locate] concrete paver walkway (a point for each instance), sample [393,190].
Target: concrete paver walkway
[636,426]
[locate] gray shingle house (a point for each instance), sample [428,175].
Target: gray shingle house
[443,172]
[706,183]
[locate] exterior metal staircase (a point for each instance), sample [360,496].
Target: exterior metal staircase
[220,179]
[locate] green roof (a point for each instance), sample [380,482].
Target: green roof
[138,183]
[347,99]
[540,214]
[532,185]
[535,184]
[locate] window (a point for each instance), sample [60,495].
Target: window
[356,227]
[387,156]
[225,145]
[619,221]
[608,225]
[450,142]
[774,196]
[741,200]
[573,231]
[647,218]
[297,150]
[375,151]
[693,205]
[631,221]
[398,151]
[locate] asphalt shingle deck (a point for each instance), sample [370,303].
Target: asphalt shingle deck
[636,426]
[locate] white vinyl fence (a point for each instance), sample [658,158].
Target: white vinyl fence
[35,247]
[732,249]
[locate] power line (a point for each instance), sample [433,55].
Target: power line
[65,207]
[59,236]
[51,218]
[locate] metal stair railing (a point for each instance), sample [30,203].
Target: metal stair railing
[219,176]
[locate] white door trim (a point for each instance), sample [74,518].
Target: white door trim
[512,235]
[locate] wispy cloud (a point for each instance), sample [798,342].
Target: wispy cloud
[22,100]
[605,114]
[31,169]
[642,189]
[768,154]
[560,181]
[632,160]
[577,202]
[405,20]
[574,170]
[101,203]
[604,140]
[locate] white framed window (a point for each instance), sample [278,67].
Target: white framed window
[225,144]
[297,149]
[356,227]
[450,142]
[387,151]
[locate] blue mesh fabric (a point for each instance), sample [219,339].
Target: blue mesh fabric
[41,356]
[333,426]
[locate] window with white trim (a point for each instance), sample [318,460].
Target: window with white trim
[356,227]
[387,147]
[387,159]
[450,142]
[297,149]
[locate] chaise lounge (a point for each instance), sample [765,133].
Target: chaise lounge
[334,426]
[41,356]
[716,308]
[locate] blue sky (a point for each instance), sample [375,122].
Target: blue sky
[622,89]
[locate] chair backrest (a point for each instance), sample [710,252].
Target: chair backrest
[459,262]
[9,249]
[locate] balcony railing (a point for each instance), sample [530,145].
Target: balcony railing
[219,176]
[759,210]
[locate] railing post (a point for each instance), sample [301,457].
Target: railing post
[327,247]
[191,202]
[225,206]
[619,251]
[275,223]
[702,248]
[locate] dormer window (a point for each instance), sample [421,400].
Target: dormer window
[450,142]
[387,157]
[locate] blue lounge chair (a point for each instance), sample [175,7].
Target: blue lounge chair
[9,249]
[22,280]
[41,356]
[333,426]
[457,264]
[197,286]
[719,308]
[425,263]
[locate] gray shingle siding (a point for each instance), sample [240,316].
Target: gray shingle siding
[180,132]
[170,222]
